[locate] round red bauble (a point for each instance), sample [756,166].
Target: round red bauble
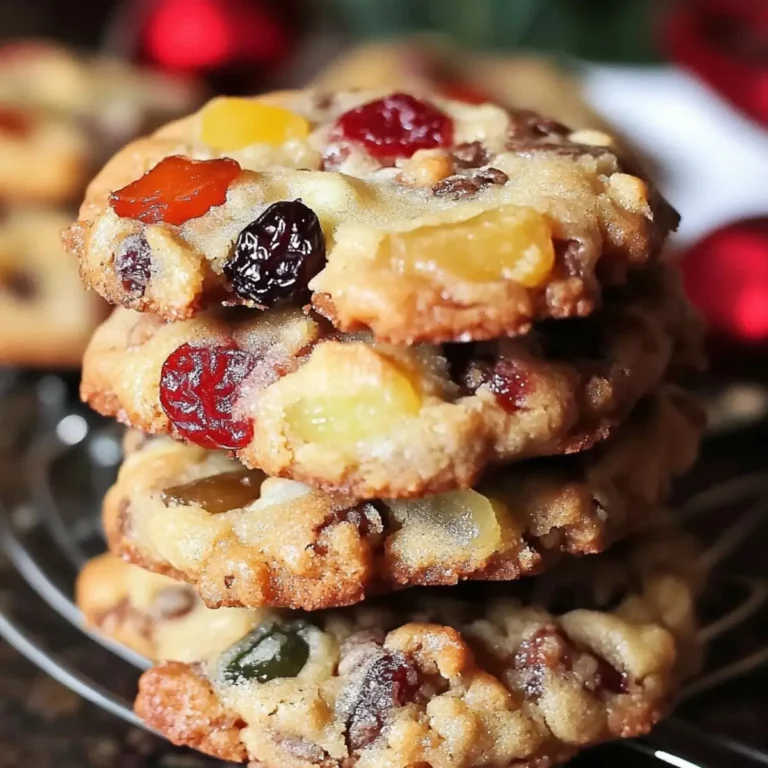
[200,35]
[725,43]
[726,277]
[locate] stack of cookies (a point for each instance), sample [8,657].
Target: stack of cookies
[61,116]
[398,369]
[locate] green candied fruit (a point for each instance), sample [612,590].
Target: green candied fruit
[274,649]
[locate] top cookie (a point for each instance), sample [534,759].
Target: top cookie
[419,218]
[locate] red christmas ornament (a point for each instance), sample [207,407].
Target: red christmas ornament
[725,43]
[726,277]
[204,35]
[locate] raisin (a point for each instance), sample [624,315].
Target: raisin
[176,190]
[198,386]
[471,154]
[396,126]
[272,650]
[217,493]
[509,383]
[277,255]
[545,650]
[528,124]
[20,284]
[391,681]
[133,264]
[367,517]
[14,123]
[460,186]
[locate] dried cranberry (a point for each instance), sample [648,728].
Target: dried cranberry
[464,91]
[277,255]
[391,681]
[198,386]
[396,126]
[545,650]
[14,123]
[610,678]
[176,190]
[133,264]
[510,383]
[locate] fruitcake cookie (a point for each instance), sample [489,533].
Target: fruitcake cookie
[418,218]
[526,674]
[243,539]
[46,318]
[62,115]
[428,62]
[154,615]
[298,400]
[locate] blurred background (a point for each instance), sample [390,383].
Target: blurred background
[683,83]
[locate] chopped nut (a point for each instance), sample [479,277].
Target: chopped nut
[591,138]
[629,192]
[426,168]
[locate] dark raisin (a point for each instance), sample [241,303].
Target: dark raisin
[218,493]
[389,682]
[493,176]
[527,124]
[364,516]
[272,650]
[277,255]
[471,154]
[461,186]
[20,284]
[133,264]
[198,388]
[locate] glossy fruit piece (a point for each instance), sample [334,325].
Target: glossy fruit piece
[198,387]
[396,126]
[350,400]
[272,650]
[466,520]
[510,383]
[176,190]
[229,124]
[277,254]
[133,264]
[508,243]
[218,493]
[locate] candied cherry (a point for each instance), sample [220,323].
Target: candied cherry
[176,190]
[396,126]
[14,123]
[198,387]
[510,384]
[277,254]
[272,650]
[509,243]
[233,123]
[218,493]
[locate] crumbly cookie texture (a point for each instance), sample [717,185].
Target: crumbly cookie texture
[246,540]
[154,615]
[46,317]
[441,220]
[526,674]
[345,414]
[62,115]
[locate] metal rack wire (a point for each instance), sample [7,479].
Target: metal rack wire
[50,527]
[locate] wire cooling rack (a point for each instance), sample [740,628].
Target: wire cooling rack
[49,526]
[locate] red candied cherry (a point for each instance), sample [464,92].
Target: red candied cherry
[176,190]
[396,126]
[510,383]
[198,387]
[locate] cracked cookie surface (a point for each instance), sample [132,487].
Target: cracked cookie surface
[242,539]
[46,317]
[293,397]
[441,220]
[515,674]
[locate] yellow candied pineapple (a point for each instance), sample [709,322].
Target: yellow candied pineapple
[233,123]
[352,393]
[461,525]
[509,243]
